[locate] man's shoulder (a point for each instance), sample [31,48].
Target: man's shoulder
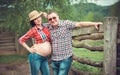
[65,21]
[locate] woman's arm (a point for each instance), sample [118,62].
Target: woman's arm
[30,49]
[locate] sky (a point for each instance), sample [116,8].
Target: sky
[103,2]
[98,2]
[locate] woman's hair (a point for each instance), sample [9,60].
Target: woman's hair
[32,23]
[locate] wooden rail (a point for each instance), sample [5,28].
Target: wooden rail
[110,48]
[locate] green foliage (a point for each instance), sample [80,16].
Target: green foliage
[115,10]
[17,12]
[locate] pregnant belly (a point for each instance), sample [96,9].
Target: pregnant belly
[43,49]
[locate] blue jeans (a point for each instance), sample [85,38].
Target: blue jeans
[61,67]
[38,63]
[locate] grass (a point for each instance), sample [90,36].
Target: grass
[92,55]
[94,42]
[90,42]
[12,58]
[86,68]
[85,53]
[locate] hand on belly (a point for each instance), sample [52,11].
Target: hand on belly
[43,49]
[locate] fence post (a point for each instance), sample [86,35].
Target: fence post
[110,38]
[16,43]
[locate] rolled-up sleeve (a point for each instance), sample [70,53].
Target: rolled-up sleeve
[28,35]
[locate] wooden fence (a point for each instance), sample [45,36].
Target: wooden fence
[89,33]
[110,33]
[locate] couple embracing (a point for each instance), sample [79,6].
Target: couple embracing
[53,38]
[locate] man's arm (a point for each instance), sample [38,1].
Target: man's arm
[86,24]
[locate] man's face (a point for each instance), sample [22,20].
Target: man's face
[53,19]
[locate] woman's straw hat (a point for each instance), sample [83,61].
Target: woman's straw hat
[34,14]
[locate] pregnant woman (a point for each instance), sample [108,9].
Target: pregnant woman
[42,48]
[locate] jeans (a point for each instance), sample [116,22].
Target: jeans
[61,67]
[38,63]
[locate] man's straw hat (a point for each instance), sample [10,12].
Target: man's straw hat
[34,14]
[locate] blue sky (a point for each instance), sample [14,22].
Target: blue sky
[103,2]
[98,2]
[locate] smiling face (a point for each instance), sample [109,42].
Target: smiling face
[38,21]
[53,19]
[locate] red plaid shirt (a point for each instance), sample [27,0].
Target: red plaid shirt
[34,33]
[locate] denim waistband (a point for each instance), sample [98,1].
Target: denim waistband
[37,55]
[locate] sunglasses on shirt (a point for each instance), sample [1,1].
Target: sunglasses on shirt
[50,19]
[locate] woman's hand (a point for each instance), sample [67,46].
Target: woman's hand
[32,49]
[44,14]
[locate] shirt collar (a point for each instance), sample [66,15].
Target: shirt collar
[38,28]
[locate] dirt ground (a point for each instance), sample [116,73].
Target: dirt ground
[15,68]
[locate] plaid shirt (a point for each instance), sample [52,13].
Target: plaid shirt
[39,35]
[61,39]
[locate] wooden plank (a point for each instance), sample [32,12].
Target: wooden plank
[6,41]
[88,61]
[9,52]
[17,44]
[7,48]
[86,30]
[7,44]
[9,37]
[110,33]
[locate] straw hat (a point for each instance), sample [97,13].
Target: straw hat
[34,14]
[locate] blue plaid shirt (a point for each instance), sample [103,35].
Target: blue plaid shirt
[61,39]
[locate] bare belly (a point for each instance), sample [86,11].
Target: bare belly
[43,49]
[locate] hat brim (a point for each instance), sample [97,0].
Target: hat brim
[36,16]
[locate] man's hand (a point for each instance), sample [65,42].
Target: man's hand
[97,25]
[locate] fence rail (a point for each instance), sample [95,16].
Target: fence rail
[109,33]
[91,35]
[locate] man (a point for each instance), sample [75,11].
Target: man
[61,40]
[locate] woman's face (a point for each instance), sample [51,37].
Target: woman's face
[38,21]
